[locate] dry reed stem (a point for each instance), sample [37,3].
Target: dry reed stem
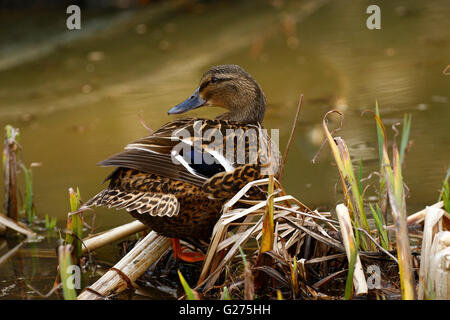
[434,275]
[132,265]
[16,226]
[359,280]
[222,225]
[99,240]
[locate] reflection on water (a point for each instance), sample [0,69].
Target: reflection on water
[77,98]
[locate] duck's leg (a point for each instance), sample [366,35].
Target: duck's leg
[179,253]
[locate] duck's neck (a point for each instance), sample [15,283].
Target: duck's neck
[250,112]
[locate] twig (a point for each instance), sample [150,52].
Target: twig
[378,245]
[291,137]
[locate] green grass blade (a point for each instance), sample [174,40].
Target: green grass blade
[405,136]
[445,192]
[226,294]
[28,205]
[189,292]
[360,185]
[50,223]
[351,268]
[379,135]
[379,223]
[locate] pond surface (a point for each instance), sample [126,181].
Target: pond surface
[77,96]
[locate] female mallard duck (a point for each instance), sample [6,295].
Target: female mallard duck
[176,180]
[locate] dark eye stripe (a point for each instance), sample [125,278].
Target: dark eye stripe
[217,80]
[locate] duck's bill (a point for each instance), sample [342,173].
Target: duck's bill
[192,102]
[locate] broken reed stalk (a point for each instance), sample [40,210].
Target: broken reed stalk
[74,224]
[356,272]
[104,238]
[434,275]
[10,171]
[130,267]
[291,138]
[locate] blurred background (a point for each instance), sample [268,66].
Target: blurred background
[77,95]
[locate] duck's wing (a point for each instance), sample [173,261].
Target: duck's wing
[153,154]
[194,150]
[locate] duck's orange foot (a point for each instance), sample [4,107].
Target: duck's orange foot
[181,254]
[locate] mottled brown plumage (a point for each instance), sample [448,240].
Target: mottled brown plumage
[156,184]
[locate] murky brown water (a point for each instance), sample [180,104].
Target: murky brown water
[77,95]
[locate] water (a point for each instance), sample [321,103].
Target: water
[77,95]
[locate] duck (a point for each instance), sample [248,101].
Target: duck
[177,179]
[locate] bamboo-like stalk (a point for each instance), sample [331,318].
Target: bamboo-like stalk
[359,280]
[104,238]
[132,265]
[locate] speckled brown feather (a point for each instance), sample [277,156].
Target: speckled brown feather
[135,191]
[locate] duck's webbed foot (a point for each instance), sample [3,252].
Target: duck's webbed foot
[183,254]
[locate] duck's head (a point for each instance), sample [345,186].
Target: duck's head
[230,87]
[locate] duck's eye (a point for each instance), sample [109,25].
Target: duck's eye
[214,80]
